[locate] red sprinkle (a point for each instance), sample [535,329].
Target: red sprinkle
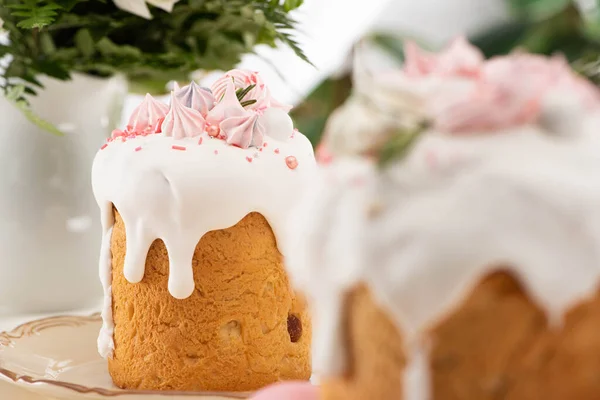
[265,144]
[291,162]
[249,159]
[276,151]
[103,146]
[213,131]
[158,127]
[178,147]
[260,149]
[138,148]
[216,151]
[200,141]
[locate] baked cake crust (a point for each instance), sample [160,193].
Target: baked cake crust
[496,345]
[231,334]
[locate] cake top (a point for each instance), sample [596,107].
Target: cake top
[199,164]
[238,109]
[457,91]
[503,175]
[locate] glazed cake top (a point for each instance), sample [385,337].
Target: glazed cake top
[199,164]
[506,175]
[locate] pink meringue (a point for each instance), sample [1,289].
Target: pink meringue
[196,97]
[243,131]
[239,126]
[242,79]
[182,121]
[504,91]
[228,106]
[146,115]
[459,58]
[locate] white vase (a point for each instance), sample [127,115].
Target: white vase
[50,231]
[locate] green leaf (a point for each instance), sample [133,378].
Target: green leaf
[47,43]
[538,9]
[391,44]
[34,15]
[241,93]
[290,5]
[247,103]
[85,42]
[15,96]
[399,144]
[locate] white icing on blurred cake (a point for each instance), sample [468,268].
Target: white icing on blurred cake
[508,175]
[201,164]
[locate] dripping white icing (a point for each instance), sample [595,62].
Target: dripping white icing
[456,207]
[177,195]
[105,339]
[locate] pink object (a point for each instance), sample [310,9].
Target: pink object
[147,114]
[291,162]
[138,148]
[288,391]
[243,131]
[200,141]
[158,127]
[229,106]
[197,97]
[504,91]
[265,144]
[212,130]
[241,80]
[182,121]
[276,151]
[216,152]
[239,127]
[323,155]
[459,58]
[103,146]
[249,159]
[117,133]
[178,147]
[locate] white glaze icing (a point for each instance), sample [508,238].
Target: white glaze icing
[181,183]
[456,207]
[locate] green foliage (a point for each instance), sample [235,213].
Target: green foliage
[34,13]
[400,143]
[15,96]
[538,9]
[58,37]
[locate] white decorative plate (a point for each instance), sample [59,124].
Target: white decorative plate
[57,357]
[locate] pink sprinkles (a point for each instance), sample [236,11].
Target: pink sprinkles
[104,146]
[291,162]
[216,152]
[178,148]
[249,159]
[138,148]
[200,141]
[276,151]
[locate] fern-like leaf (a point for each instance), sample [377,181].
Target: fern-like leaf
[15,95]
[34,14]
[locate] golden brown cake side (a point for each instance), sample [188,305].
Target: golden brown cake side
[496,345]
[375,358]
[231,334]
